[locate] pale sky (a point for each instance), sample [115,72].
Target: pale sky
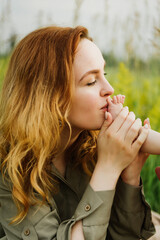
[111,23]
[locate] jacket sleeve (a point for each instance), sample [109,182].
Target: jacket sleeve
[131,215]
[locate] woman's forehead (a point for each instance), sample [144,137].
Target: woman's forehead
[87,57]
[87,48]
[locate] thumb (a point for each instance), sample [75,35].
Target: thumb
[157,170]
[107,121]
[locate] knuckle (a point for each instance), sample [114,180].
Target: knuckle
[119,142]
[129,154]
[108,134]
[139,142]
[124,148]
[134,130]
[127,151]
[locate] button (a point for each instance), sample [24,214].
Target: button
[27,232]
[87,207]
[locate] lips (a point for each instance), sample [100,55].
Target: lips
[105,107]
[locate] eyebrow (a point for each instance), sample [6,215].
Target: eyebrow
[94,71]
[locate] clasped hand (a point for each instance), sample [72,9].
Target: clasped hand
[119,143]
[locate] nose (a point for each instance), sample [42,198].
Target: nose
[106,89]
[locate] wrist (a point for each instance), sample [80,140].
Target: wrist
[104,177]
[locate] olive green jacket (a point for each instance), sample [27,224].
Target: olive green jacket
[129,219]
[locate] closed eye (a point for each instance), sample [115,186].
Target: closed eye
[91,83]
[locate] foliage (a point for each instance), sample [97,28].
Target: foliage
[3,68]
[141,88]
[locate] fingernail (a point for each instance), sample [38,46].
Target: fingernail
[106,115]
[148,120]
[146,125]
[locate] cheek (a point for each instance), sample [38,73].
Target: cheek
[85,102]
[85,112]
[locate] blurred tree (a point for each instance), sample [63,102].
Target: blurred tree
[12,42]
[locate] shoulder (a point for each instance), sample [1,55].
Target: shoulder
[38,217]
[41,222]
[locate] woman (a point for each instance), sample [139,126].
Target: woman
[60,177]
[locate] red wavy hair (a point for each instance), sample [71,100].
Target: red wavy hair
[33,113]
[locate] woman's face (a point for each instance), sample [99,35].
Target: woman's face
[91,88]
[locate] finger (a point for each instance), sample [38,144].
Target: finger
[137,144]
[157,170]
[107,122]
[126,125]
[133,131]
[119,120]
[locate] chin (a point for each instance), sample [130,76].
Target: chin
[96,127]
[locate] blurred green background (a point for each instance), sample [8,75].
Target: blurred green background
[140,83]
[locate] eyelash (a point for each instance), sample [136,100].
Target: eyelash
[92,83]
